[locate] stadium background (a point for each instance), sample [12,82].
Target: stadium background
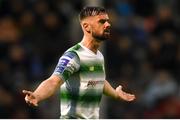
[143,54]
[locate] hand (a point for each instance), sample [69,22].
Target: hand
[123,95]
[30,98]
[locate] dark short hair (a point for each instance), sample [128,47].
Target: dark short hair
[91,11]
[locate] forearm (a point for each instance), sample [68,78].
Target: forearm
[47,88]
[109,90]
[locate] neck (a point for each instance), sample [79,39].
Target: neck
[91,44]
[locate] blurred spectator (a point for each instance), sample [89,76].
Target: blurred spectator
[165,21]
[8,30]
[162,86]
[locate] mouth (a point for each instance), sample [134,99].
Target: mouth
[107,31]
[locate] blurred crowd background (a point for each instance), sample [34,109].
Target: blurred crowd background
[143,54]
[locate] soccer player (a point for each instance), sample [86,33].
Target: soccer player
[80,72]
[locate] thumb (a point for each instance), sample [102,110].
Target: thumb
[119,87]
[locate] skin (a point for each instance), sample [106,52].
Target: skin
[96,29]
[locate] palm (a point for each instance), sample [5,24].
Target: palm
[123,95]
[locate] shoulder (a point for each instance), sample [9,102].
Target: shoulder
[72,51]
[70,54]
[75,47]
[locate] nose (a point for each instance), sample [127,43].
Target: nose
[107,24]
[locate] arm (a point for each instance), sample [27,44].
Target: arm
[46,89]
[117,93]
[67,65]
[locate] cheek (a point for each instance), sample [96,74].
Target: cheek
[98,29]
[94,28]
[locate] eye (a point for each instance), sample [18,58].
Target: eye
[102,21]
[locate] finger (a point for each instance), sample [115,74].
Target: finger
[130,95]
[35,104]
[30,103]
[27,92]
[131,98]
[26,98]
[120,87]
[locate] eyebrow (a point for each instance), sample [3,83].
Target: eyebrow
[103,20]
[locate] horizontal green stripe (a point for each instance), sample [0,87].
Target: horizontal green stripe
[89,97]
[91,68]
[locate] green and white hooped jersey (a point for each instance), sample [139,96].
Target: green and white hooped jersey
[84,75]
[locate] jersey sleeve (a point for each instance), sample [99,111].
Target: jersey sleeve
[67,65]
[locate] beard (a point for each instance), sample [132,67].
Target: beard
[102,37]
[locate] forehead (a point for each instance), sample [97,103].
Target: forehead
[98,17]
[102,16]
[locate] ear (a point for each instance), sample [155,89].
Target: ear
[86,27]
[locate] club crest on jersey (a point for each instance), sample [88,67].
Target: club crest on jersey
[91,68]
[62,65]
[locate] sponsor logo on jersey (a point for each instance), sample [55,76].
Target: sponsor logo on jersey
[70,54]
[92,83]
[62,65]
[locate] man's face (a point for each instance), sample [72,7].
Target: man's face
[100,27]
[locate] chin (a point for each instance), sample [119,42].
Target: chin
[107,37]
[103,37]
